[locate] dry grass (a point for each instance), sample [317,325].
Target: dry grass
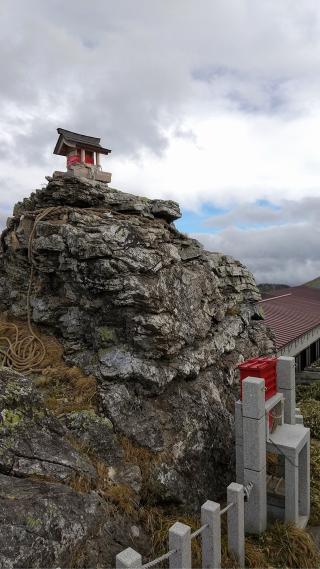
[284,545]
[255,555]
[67,389]
[157,522]
[145,459]
[123,497]
[120,495]
[81,484]
[315,483]
[135,454]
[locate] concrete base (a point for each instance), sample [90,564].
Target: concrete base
[277,513]
[302,522]
[98,175]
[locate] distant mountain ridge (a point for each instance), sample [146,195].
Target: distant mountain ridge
[315,283]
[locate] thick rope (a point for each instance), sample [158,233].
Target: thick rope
[26,353]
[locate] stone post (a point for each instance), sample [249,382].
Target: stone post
[235,496]
[180,540]
[128,559]
[304,479]
[238,426]
[286,384]
[254,453]
[291,487]
[211,536]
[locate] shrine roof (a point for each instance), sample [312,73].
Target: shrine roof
[71,139]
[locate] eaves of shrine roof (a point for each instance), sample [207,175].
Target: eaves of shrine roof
[68,138]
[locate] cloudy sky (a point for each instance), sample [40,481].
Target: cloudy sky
[212,103]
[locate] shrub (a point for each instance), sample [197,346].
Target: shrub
[305,392]
[310,410]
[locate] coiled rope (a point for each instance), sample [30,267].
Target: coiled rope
[26,353]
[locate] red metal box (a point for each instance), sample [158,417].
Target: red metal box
[264,367]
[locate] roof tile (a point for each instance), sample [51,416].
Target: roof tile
[292,312]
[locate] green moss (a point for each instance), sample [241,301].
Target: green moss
[6,443]
[11,419]
[33,522]
[106,335]
[13,393]
[82,419]
[233,311]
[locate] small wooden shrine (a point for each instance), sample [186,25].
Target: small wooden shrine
[83,155]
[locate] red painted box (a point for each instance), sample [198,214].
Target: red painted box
[264,367]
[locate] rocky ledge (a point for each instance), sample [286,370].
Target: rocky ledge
[161,323]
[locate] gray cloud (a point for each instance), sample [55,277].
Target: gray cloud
[284,254]
[286,211]
[130,72]
[127,70]
[3,218]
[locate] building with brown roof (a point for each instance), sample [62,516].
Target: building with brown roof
[294,316]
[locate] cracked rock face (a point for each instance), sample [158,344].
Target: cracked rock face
[44,524]
[43,521]
[160,322]
[32,441]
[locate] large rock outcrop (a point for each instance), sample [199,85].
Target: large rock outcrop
[160,322]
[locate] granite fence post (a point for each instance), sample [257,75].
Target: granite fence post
[128,559]
[211,535]
[286,384]
[254,453]
[180,541]
[235,496]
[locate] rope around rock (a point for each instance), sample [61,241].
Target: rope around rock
[24,353]
[27,353]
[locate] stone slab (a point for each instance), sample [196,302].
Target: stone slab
[289,438]
[239,464]
[253,397]
[289,405]
[256,507]
[254,443]
[286,373]
[238,422]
